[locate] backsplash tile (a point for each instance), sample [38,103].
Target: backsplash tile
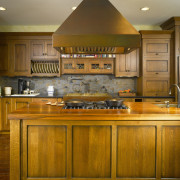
[74,83]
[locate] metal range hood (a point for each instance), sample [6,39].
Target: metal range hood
[96,26]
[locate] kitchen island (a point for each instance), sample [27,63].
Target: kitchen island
[48,142]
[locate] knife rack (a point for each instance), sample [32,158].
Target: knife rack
[44,67]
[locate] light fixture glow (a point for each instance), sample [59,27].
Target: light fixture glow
[145,9]
[73,8]
[2,9]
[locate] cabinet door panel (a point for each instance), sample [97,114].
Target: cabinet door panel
[156,86]
[127,65]
[4,58]
[18,103]
[37,49]
[67,66]
[6,108]
[156,47]
[51,53]
[156,66]
[20,58]
[136,152]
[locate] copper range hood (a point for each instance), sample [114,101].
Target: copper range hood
[96,26]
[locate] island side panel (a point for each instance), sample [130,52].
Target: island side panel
[15,159]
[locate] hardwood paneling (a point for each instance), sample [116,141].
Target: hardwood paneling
[156,47]
[4,58]
[46,151]
[4,156]
[20,58]
[156,86]
[127,64]
[6,108]
[136,152]
[171,152]
[91,151]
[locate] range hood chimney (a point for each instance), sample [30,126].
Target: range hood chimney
[96,26]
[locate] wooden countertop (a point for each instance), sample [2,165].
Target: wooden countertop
[136,111]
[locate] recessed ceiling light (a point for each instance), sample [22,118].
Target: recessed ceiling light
[2,9]
[145,9]
[73,8]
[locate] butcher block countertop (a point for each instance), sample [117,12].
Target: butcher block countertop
[136,111]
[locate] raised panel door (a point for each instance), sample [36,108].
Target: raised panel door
[50,52]
[68,66]
[4,58]
[156,47]
[127,65]
[170,152]
[20,58]
[156,86]
[107,66]
[136,152]
[37,49]
[95,66]
[6,108]
[18,103]
[156,67]
[80,66]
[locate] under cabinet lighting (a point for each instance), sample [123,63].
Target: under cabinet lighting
[2,9]
[145,9]
[73,8]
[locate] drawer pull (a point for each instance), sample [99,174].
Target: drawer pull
[157,53]
[157,73]
[44,100]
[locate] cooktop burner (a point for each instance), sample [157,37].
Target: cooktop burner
[96,105]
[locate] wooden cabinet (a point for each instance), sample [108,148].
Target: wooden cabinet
[5,109]
[127,65]
[156,86]
[87,66]
[43,49]
[156,47]
[20,58]
[158,100]
[18,103]
[156,62]
[4,58]
[46,100]
[4,155]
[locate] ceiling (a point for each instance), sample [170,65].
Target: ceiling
[54,12]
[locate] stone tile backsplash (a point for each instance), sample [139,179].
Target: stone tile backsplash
[74,83]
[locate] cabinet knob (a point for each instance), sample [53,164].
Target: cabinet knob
[157,73]
[7,103]
[157,53]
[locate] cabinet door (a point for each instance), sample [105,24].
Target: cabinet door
[68,66]
[50,52]
[95,66]
[127,64]
[80,66]
[18,103]
[156,47]
[37,49]
[6,108]
[155,67]
[4,58]
[20,58]
[156,86]
[107,66]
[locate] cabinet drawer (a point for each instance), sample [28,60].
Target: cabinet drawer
[156,47]
[162,100]
[45,100]
[154,66]
[156,86]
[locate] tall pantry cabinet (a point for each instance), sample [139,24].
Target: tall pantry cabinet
[156,59]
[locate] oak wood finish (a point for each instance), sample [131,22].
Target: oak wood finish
[4,155]
[18,103]
[71,66]
[156,60]
[127,65]
[20,61]
[96,144]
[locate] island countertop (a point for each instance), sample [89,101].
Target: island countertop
[136,111]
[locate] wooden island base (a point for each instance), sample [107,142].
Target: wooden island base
[105,144]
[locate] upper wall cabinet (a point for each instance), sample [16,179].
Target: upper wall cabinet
[20,58]
[4,58]
[127,65]
[43,49]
